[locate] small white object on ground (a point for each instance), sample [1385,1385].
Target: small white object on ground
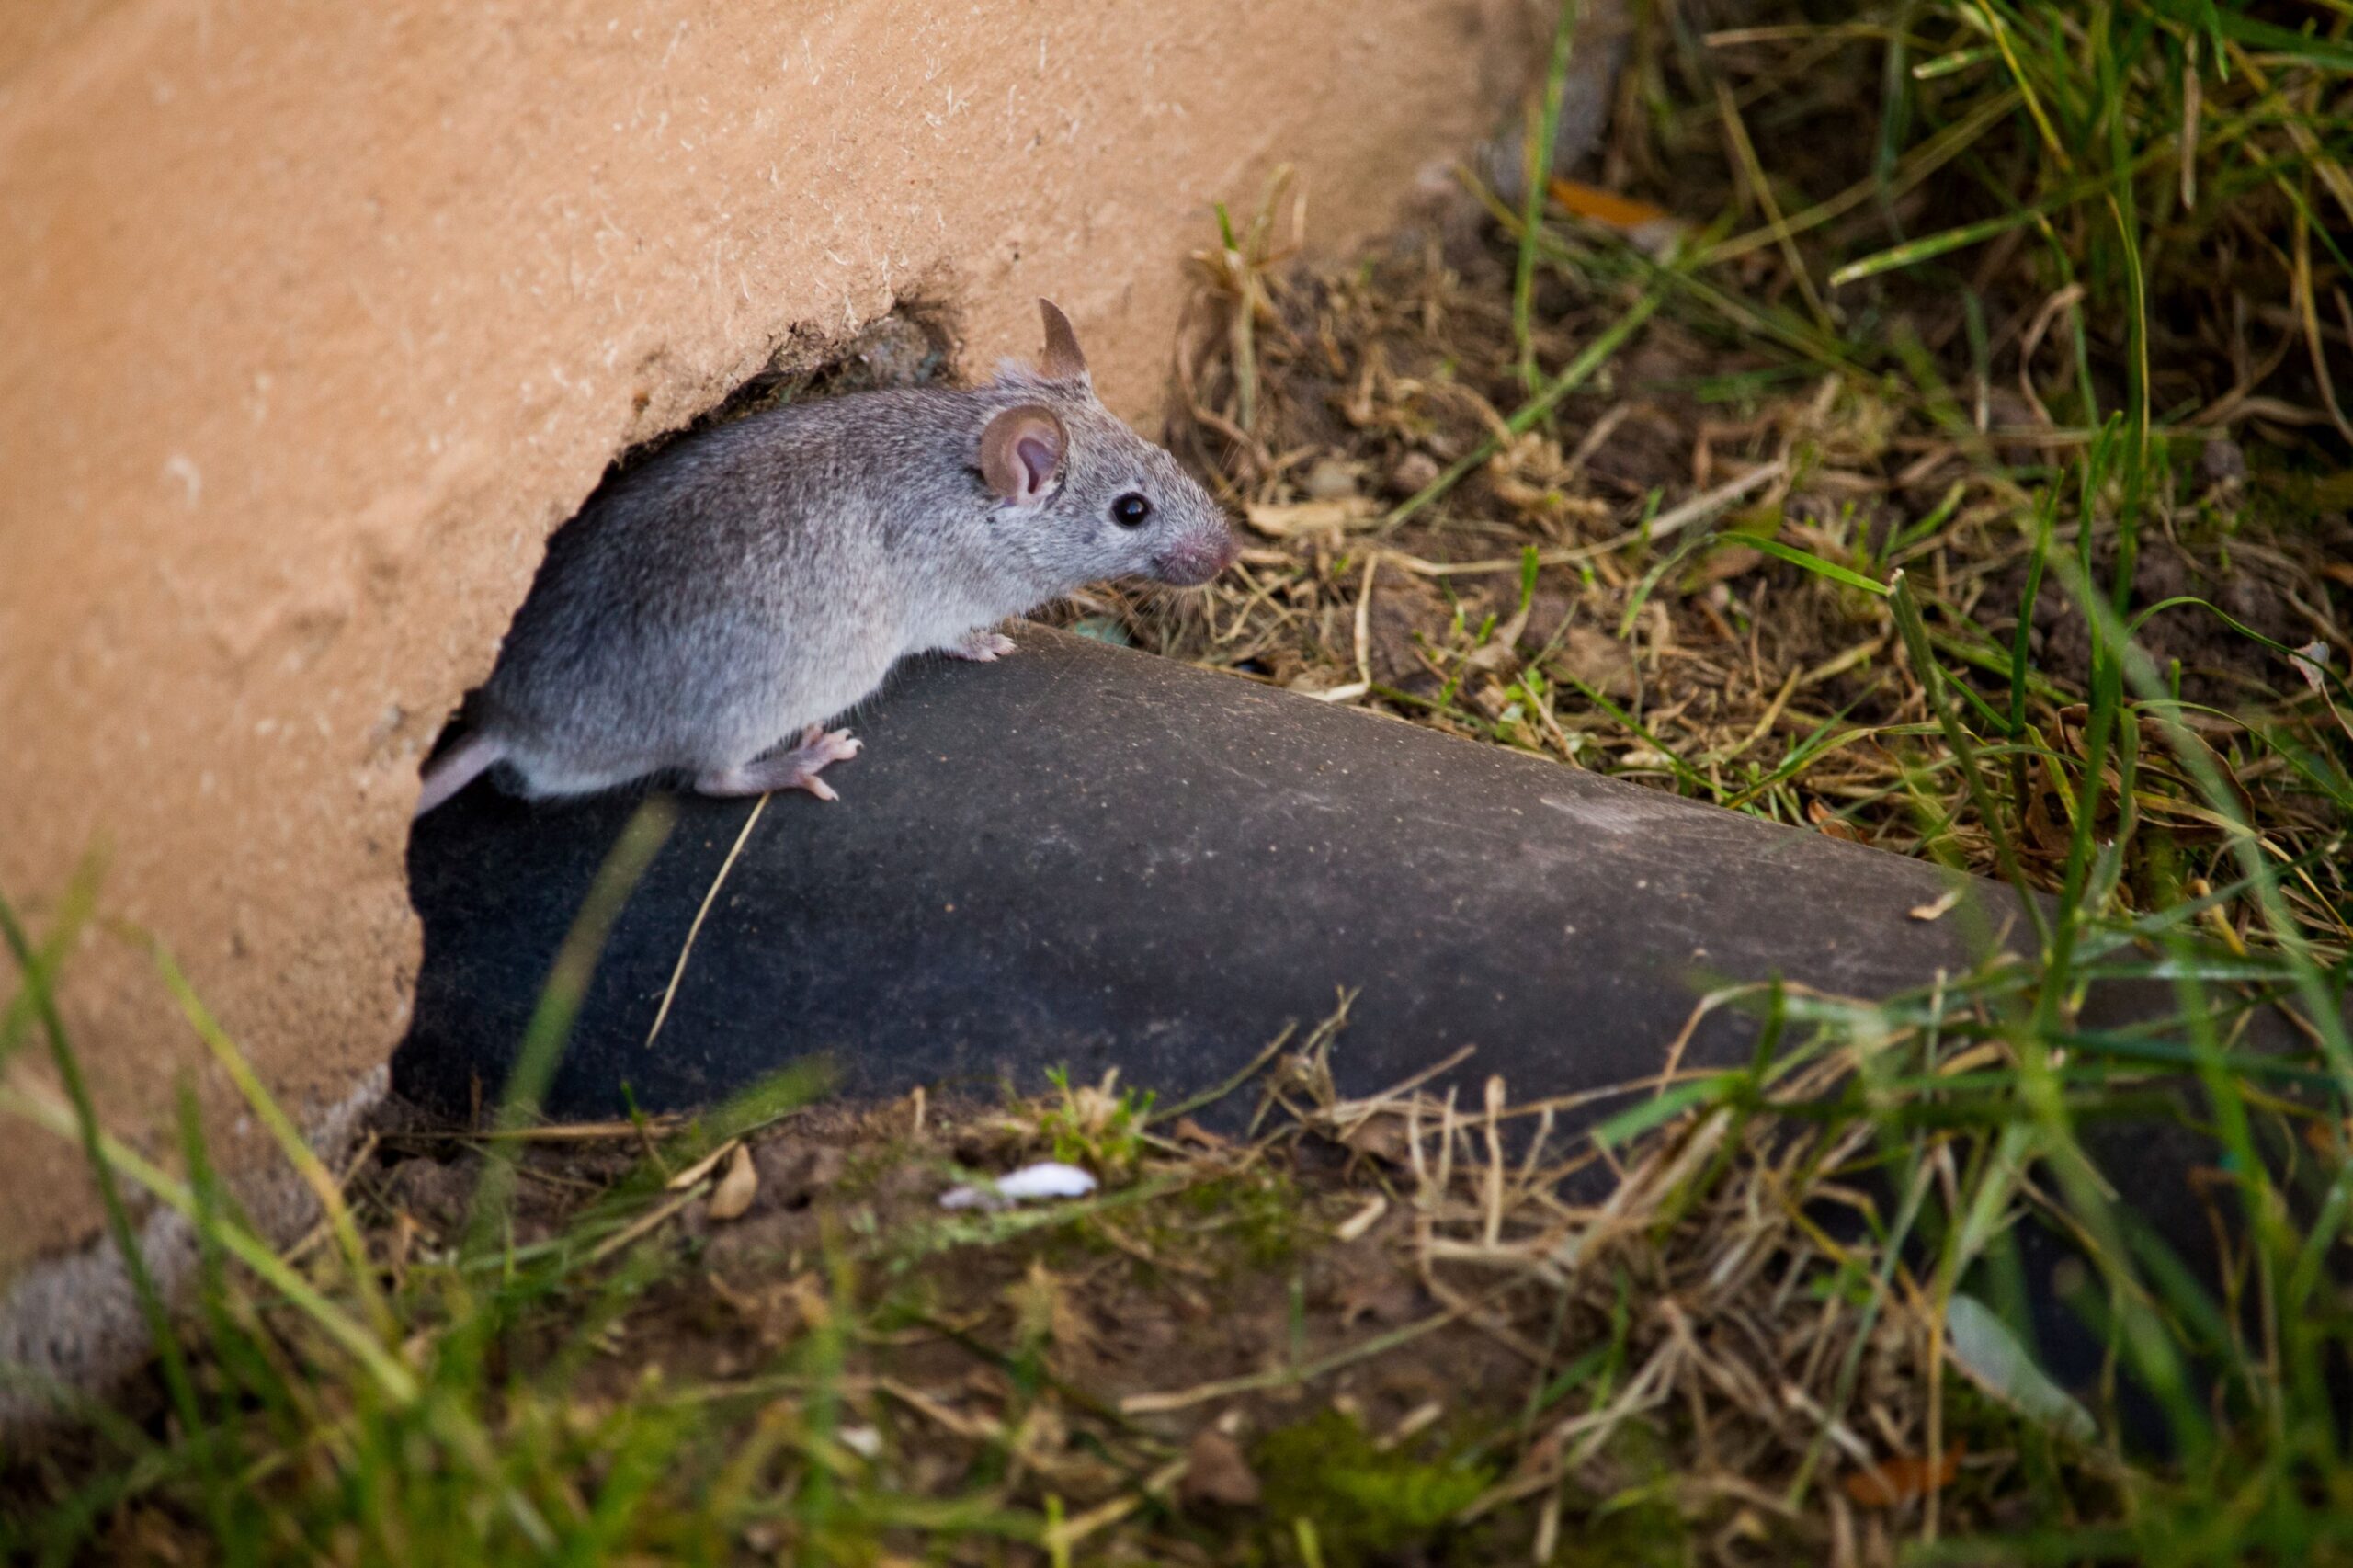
[1985,1350]
[1048,1178]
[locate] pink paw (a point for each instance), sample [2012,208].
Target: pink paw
[983,647]
[819,747]
[795,769]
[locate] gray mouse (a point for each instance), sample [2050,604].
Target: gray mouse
[707,613]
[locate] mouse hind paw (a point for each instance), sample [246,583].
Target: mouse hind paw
[794,769]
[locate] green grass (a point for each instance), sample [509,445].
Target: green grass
[2156,183]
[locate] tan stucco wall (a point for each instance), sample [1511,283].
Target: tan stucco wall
[314,319]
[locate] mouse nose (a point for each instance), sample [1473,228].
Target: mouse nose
[1198,557]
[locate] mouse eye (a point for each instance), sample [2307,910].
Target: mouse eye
[1131,510]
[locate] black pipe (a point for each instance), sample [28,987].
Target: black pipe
[1088,856]
[1082,855]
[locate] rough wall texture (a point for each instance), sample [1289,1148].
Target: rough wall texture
[314,319]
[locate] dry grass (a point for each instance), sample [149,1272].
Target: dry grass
[1604,587]
[1376,1324]
[1967,488]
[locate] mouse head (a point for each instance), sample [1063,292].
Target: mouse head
[1091,498]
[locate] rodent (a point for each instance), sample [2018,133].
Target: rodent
[749,584]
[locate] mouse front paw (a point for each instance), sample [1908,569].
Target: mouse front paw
[983,647]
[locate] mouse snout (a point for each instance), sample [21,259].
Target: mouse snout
[1200,555]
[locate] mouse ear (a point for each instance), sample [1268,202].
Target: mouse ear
[1063,362]
[1021,453]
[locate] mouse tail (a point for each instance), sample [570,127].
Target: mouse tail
[457,767]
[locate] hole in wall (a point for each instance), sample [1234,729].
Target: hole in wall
[466,876]
[915,344]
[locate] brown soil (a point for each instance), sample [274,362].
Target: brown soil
[1366,380]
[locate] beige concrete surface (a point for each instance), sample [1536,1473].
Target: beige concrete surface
[316,319]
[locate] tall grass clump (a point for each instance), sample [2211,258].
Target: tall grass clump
[2019,336]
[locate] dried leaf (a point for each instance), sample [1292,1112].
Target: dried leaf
[737,1187]
[1192,1131]
[1638,219]
[1330,479]
[1831,825]
[2180,812]
[1904,1478]
[1333,516]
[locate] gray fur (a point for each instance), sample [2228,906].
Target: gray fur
[764,576]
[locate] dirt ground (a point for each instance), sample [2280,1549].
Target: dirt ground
[1726,663]
[1381,1332]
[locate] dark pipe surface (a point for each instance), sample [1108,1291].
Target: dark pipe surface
[1086,856]
[1089,857]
